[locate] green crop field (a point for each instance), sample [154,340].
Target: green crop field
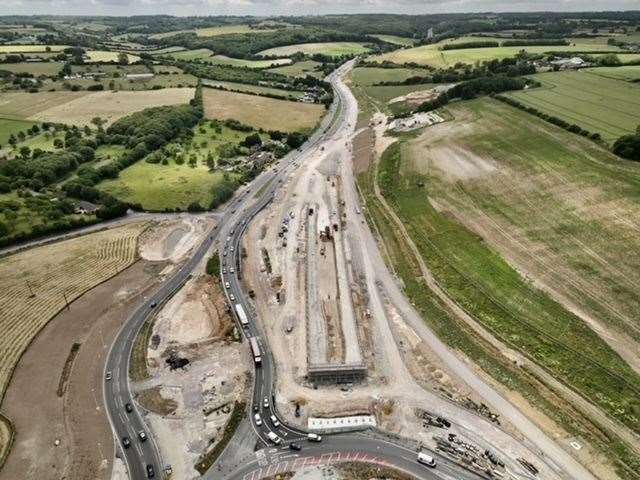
[159,187]
[37,69]
[332,49]
[598,104]
[262,112]
[245,87]
[431,55]
[370,76]
[299,69]
[394,39]
[9,126]
[628,73]
[239,62]
[499,181]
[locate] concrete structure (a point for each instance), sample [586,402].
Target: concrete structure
[337,373]
[341,424]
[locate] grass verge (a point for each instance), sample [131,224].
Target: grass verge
[209,458]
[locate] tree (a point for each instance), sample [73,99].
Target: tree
[25,152]
[21,136]
[252,140]
[123,58]
[58,143]
[13,140]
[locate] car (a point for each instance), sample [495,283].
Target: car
[256,408]
[231,248]
[257,418]
[126,443]
[265,402]
[108,376]
[150,471]
[274,438]
[427,460]
[153,305]
[128,407]
[142,436]
[224,270]
[314,437]
[227,285]
[224,253]
[275,421]
[232,270]
[232,297]
[295,446]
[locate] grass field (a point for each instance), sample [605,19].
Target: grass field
[262,112]
[111,57]
[394,39]
[9,126]
[212,31]
[181,80]
[332,49]
[31,48]
[238,62]
[628,73]
[158,187]
[245,87]
[431,55]
[299,69]
[37,69]
[370,76]
[108,105]
[197,54]
[71,268]
[552,205]
[598,104]
[23,105]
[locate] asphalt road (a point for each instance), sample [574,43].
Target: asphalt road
[117,392]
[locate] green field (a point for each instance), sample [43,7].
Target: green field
[212,31]
[197,54]
[37,69]
[165,81]
[160,187]
[331,49]
[9,126]
[238,62]
[299,69]
[486,160]
[402,41]
[245,87]
[433,56]
[370,76]
[628,73]
[598,104]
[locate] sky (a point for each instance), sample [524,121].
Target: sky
[298,7]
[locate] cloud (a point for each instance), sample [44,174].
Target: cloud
[296,7]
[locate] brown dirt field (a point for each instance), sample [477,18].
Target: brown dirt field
[111,105]
[261,112]
[77,419]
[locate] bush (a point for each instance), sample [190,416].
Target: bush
[213,265]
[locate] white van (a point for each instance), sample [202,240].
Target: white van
[313,437]
[427,460]
[257,419]
[274,438]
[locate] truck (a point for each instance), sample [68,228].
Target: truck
[242,316]
[255,349]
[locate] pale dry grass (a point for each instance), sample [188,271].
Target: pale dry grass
[112,105]
[261,112]
[51,272]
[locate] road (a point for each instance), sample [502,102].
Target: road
[226,238]
[117,390]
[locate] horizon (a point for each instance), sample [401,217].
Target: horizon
[285,8]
